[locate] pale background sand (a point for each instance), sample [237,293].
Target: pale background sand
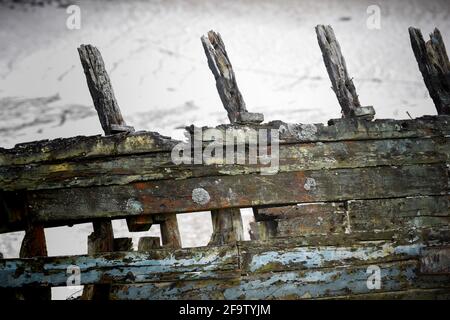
[159,72]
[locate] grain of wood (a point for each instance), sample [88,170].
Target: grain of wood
[337,71]
[434,65]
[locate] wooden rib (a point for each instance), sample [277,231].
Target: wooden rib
[434,65]
[337,71]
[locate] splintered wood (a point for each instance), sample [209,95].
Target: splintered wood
[434,65]
[337,70]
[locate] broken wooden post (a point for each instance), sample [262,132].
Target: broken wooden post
[227,226]
[227,223]
[435,67]
[148,243]
[102,239]
[337,70]
[101,91]
[107,108]
[34,245]
[123,244]
[263,228]
[170,235]
[229,93]
[99,241]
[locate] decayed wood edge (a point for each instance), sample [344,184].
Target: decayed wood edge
[101,89]
[435,260]
[210,193]
[434,65]
[220,66]
[153,265]
[162,265]
[379,215]
[83,147]
[336,130]
[307,284]
[337,70]
[227,226]
[291,157]
[411,294]
[86,147]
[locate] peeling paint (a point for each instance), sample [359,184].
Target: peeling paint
[134,206]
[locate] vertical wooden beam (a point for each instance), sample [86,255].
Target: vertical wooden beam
[227,223]
[123,244]
[262,228]
[101,240]
[227,226]
[34,245]
[342,84]
[107,108]
[170,235]
[101,91]
[434,65]
[148,243]
[229,93]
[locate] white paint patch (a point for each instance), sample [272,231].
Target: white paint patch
[134,206]
[307,131]
[200,196]
[310,184]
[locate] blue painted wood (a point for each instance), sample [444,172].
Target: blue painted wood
[197,263]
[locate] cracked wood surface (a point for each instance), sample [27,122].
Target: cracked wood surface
[434,65]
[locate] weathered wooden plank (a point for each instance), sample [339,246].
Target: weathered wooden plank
[395,276]
[434,65]
[343,129]
[342,84]
[401,213]
[371,215]
[147,142]
[307,218]
[82,147]
[412,294]
[435,260]
[200,194]
[99,241]
[293,157]
[275,256]
[122,267]
[220,65]
[201,263]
